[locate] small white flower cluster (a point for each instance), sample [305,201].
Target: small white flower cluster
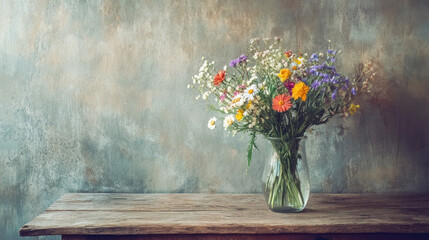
[202,81]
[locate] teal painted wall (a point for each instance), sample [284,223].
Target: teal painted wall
[94,99]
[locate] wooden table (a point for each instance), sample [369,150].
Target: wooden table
[78,216]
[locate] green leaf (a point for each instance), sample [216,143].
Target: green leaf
[250,147]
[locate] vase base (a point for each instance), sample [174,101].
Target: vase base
[286,209]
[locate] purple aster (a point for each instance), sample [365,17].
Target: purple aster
[353,91]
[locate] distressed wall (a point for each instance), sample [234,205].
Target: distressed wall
[94,99]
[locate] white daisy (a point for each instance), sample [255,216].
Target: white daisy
[212,123]
[228,121]
[250,92]
[237,101]
[297,63]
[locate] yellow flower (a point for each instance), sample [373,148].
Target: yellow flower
[239,115]
[353,108]
[284,74]
[300,91]
[249,104]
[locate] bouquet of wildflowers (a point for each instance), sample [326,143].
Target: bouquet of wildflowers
[279,94]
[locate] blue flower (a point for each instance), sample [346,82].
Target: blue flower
[314,58]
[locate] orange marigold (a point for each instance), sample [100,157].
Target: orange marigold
[300,90]
[281,103]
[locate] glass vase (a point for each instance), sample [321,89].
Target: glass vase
[286,180]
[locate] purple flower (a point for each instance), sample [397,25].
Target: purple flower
[353,91]
[316,84]
[243,58]
[332,51]
[237,61]
[233,63]
[334,95]
[326,79]
[314,58]
[333,60]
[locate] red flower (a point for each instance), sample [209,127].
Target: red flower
[288,54]
[289,85]
[281,103]
[218,79]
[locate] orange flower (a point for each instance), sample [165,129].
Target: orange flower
[218,79]
[300,91]
[281,103]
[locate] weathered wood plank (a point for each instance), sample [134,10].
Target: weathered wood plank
[122,214]
[381,236]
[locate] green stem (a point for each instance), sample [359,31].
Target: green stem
[283,184]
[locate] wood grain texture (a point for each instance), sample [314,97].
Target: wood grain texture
[133,214]
[374,236]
